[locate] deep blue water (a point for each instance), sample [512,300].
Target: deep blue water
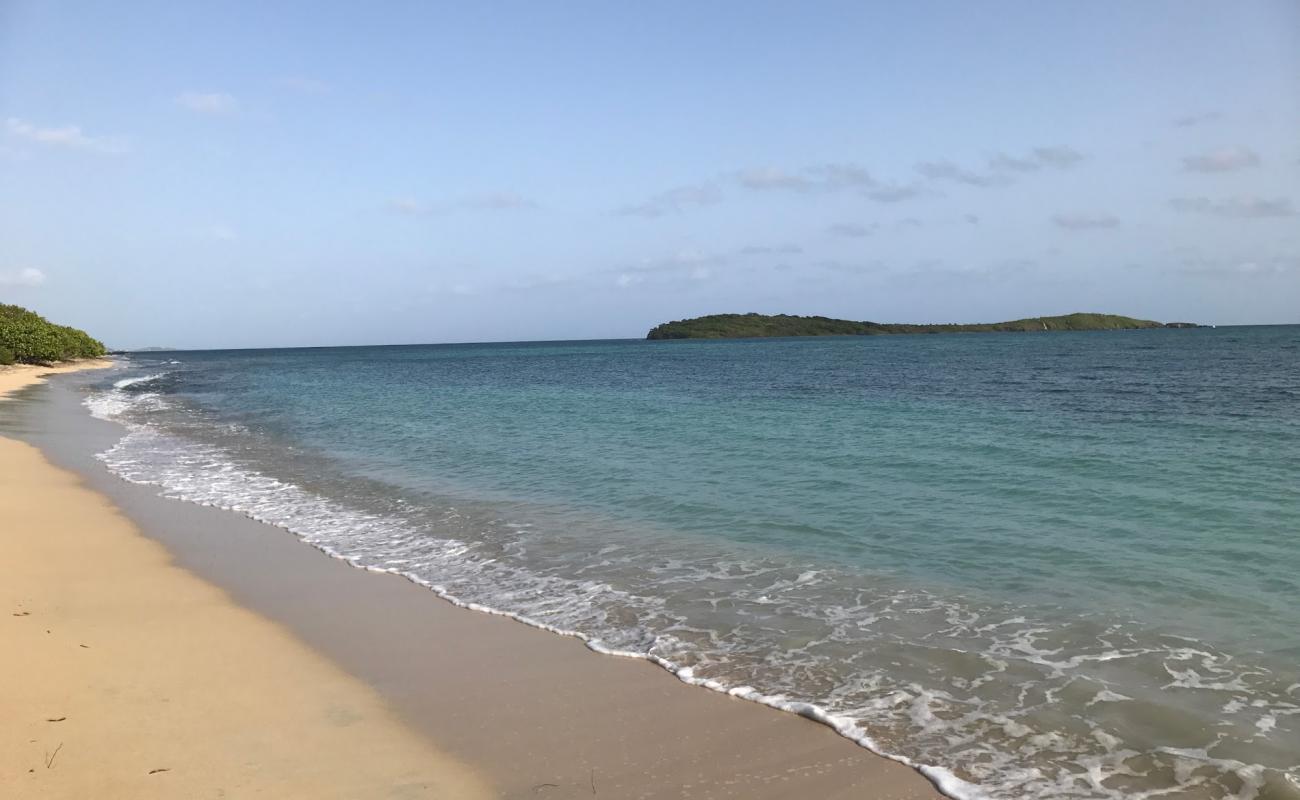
[1052,565]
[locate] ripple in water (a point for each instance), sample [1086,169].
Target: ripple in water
[988,699]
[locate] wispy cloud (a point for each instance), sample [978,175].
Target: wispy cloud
[1001,168]
[297,83]
[207,102]
[770,249]
[1191,120]
[853,178]
[1235,207]
[26,276]
[842,176]
[852,267]
[219,232]
[769,178]
[498,201]
[70,136]
[945,170]
[408,205]
[528,283]
[1235,268]
[489,201]
[815,178]
[852,230]
[674,201]
[893,192]
[1059,157]
[1225,159]
[1085,222]
[685,265]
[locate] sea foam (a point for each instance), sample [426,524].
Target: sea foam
[989,732]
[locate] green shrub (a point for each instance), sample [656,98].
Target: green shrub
[7,356]
[31,339]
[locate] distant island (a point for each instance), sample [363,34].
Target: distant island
[752,326]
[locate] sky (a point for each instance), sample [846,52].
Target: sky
[283,174]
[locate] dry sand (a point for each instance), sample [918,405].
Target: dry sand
[124,676]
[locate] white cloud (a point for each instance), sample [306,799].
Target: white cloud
[1225,159]
[626,279]
[26,276]
[1235,207]
[1085,222]
[70,136]
[207,102]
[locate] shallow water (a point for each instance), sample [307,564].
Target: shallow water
[1044,565]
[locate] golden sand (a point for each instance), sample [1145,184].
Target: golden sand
[124,676]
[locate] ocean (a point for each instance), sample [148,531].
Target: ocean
[1033,565]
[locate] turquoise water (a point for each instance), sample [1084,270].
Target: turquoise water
[1044,565]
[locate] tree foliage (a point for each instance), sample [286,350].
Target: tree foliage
[744,326]
[28,338]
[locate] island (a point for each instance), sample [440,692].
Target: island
[752,326]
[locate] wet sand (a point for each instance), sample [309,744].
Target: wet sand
[538,715]
[125,676]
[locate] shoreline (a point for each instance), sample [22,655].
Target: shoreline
[115,654]
[527,708]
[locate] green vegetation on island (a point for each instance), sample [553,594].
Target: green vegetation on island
[28,338]
[750,326]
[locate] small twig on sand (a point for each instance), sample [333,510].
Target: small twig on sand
[49,761]
[160,769]
[55,719]
[545,786]
[593,780]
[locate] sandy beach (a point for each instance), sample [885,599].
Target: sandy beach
[173,650]
[127,677]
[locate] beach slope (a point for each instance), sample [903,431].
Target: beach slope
[126,677]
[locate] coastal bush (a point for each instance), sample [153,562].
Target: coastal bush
[7,356]
[29,338]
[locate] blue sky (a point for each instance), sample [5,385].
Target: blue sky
[259,174]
